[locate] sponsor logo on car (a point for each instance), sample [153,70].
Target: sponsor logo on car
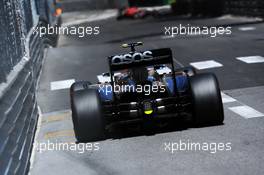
[132,57]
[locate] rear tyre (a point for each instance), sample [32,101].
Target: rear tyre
[87,116]
[80,85]
[207,100]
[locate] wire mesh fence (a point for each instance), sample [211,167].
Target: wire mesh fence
[21,57]
[14,28]
[245,7]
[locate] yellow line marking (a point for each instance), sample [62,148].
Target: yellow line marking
[57,117]
[55,134]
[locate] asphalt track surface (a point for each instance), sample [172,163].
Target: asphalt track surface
[138,153]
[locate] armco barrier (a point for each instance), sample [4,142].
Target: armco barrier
[251,8]
[21,58]
[254,8]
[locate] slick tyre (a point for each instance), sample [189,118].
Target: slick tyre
[206,100]
[87,116]
[79,85]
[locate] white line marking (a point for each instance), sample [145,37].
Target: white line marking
[167,37]
[251,59]
[226,98]
[206,64]
[246,112]
[64,84]
[246,28]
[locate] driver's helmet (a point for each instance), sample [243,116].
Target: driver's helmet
[139,75]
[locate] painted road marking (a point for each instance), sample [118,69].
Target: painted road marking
[246,112]
[58,117]
[206,64]
[226,98]
[56,134]
[251,59]
[167,37]
[246,28]
[64,84]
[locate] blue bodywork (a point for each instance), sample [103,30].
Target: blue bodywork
[106,92]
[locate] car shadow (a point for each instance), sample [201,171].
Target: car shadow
[152,128]
[148,128]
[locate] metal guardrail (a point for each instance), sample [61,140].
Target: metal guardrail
[10,37]
[253,8]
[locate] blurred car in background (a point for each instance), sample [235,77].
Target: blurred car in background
[135,13]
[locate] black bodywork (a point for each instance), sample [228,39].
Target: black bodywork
[131,107]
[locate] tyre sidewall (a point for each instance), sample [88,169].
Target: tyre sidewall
[87,115]
[206,100]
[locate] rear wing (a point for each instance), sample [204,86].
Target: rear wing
[136,59]
[146,58]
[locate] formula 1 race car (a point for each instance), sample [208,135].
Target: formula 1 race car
[143,86]
[134,13]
